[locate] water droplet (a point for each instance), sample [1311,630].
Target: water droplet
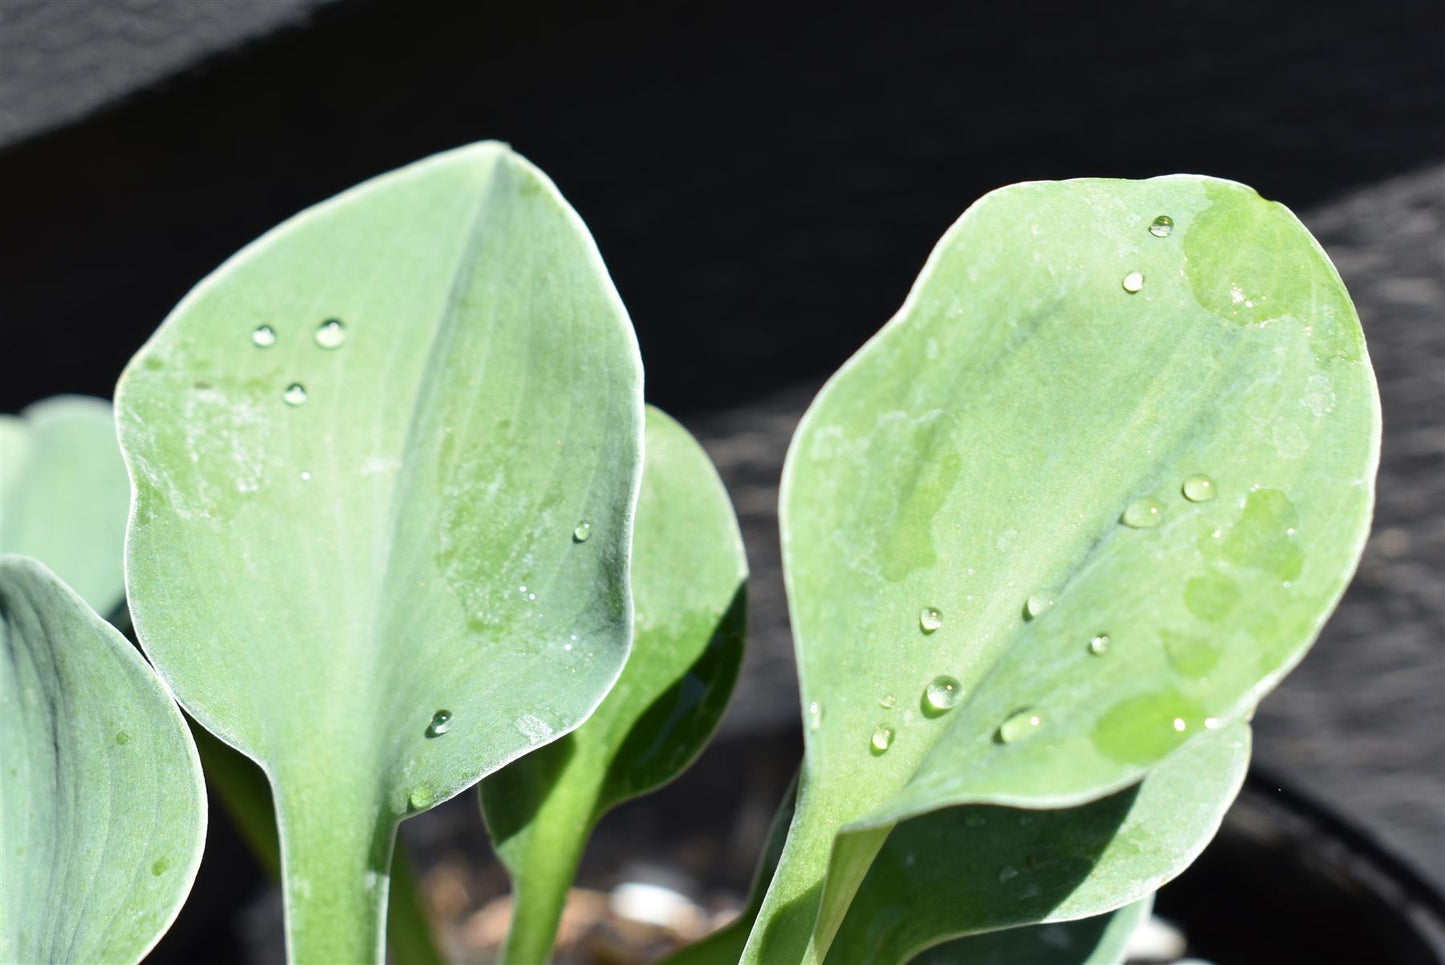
[422,797]
[1037,605]
[1007,873]
[887,701]
[1099,645]
[1180,725]
[121,737]
[305,476]
[1143,513]
[264,336]
[1162,226]
[295,394]
[1198,489]
[531,596]
[882,739]
[1020,724]
[1211,723]
[331,334]
[1133,281]
[441,722]
[930,618]
[815,715]
[940,695]
[159,866]
[581,531]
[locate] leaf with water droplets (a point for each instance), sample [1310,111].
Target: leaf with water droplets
[64,494]
[102,806]
[1020,435]
[688,577]
[485,397]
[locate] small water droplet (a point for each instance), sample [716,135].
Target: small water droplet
[1007,873]
[581,531]
[1143,513]
[331,334]
[295,394]
[264,336]
[882,739]
[159,866]
[422,797]
[1198,489]
[1037,605]
[1099,645]
[1180,725]
[1133,281]
[441,722]
[1211,723]
[121,737]
[1162,226]
[567,647]
[531,596]
[930,618]
[1020,724]
[305,476]
[940,695]
[815,715]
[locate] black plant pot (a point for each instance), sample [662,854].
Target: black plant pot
[1287,880]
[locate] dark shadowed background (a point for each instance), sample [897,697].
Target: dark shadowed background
[764,184]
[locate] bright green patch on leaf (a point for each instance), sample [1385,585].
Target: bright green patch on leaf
[338,537]
[1012,449]
[102,807]
[688,577]
[64,493]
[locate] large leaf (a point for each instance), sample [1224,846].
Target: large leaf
[102,807]
[360,452]
[1100,940]
[64,493]
[979,868]
[1133,410]
[688,578]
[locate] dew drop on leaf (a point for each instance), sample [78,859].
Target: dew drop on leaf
[1198,489]
[815,715]
[1099,644]
[263,337]
[1143,514]
[940,695]
[1007,873]
[882,739]
[1133,281]
[930,618]
[441,722]
[1020,724]
[1037,605]
[121,737]
[295,394]
[422,797]
[1162,226]
[581,531]
[159,866]
[887,701]
[331,334]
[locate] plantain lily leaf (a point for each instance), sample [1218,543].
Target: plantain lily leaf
[64,493]
[1094,489]
[978,868]
[360,452]
[688,578]
[1100,940]
[102,807]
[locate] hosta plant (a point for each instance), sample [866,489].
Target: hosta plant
[400,524]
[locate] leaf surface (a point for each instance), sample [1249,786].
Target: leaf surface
[689,573]
[360,451]
[102,806]
[1099,940]
[64,493]
[1086,421]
